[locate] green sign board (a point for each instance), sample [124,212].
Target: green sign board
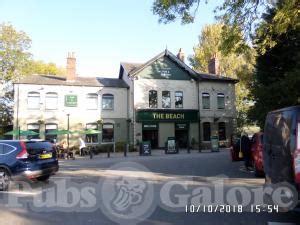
[167,116]
[71,100]
[150,126]
[181,126]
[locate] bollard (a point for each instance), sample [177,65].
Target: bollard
[189,149]
[91,153]
[108,152]
[125,150]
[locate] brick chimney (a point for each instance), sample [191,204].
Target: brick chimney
[213,65]
[71,67]
[180,55]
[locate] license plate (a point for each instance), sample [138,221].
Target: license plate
[46,156]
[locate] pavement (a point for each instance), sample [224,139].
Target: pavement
[157,189]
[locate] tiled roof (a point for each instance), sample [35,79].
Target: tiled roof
[215,77]
[129,67]
[80,81]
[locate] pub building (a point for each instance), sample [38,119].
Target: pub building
[169,99]
[153,101]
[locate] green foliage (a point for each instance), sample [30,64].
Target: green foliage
[14,53]
[39,67]
[277,75]
[240,17]
[233,65]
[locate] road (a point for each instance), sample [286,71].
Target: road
[166,189]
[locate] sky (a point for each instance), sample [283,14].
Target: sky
[102,33]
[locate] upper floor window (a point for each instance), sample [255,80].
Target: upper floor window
[107,101]
[51,100]
[178,99]
[205,101]
[92,101]
[33,100]
[221,101]
[166,99]
[153,99]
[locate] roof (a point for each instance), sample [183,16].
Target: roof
[133,68]
[214,77]
[80,81]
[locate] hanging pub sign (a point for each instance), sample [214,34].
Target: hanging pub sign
[71,100]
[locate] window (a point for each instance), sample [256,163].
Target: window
[50,127]
[107,101]
[35,128]
[153,99]
[205,101]
[51,100]
[206,131]
[33,100]
[221,101]
[166,99]
[108,133]
[178,99]
[6,149]
[222,131]
[92,101]
[91,138]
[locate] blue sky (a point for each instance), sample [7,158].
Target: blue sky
[102,33]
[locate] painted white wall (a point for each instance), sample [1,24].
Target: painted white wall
[79,116]
[213,88]
[143,86]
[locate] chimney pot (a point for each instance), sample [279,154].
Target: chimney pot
[180,55]
[213,65]
[71,66]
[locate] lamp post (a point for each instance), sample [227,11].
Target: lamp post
[68,135]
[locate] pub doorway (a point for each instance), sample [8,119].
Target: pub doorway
[150,133]
[182,135]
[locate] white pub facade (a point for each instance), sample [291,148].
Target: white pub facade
[148,102]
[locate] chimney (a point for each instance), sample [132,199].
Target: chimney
[71,67]
[213,65]
[180,55]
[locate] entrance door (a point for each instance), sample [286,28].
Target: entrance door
[181,137]
[152,136]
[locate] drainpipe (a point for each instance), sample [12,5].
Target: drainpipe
[17,122]
[199,121]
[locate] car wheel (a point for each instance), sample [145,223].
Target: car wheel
[4,179]
[43,178]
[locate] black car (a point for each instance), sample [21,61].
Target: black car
[33,160]
[281,146]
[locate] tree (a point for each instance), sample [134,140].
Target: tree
[15,61]
[233,65]
[239,17]
[40,67]
[277,74]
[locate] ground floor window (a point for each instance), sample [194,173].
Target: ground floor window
[206,131]
[222,131]
[91,138]
[35,128]
[108,132]
[50,127]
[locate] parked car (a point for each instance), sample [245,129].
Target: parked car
[256,154]
[281,146]
[235,149]
[33,160]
